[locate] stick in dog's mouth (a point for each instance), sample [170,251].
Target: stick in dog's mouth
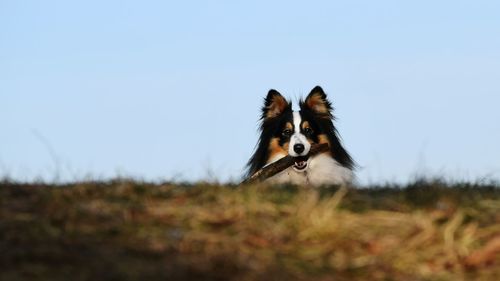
[280,165]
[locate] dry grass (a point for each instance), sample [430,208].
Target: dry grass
[126,230]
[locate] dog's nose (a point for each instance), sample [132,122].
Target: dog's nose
[299,148]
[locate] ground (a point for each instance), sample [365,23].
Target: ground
[127,230]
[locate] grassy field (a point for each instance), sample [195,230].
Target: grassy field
[125,230]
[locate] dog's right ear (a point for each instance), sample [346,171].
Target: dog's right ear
[274,105]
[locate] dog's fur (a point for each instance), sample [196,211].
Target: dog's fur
[287,132]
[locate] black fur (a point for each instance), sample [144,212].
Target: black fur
[325,123]
[269,128]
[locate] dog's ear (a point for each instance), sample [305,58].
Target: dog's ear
[274,105]
[317,102]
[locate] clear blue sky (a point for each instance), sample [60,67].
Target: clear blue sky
[172,89]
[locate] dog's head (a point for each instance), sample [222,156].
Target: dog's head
[293,132]
[287,132]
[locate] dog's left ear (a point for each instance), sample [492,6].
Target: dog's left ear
[317,102]
[274,105]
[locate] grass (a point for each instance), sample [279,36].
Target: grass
[125,230]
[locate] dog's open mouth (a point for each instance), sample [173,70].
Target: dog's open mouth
[300,163]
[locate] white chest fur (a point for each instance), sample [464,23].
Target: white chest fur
[321,170]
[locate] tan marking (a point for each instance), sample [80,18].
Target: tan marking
[316,103]
[324,139]
[275,148]
[306,125]
[289,126]
[277,106]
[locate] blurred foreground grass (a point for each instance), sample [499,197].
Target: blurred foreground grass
[124,230]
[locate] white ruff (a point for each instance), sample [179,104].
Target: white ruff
[321,170]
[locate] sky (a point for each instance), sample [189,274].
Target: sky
[171,90]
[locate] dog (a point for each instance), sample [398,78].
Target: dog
[284,131]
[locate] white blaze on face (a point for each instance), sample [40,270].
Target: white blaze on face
[298,137]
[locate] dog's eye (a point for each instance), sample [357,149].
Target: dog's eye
[308,131]
[287,133]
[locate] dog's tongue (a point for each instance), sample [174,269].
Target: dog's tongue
[301,162]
